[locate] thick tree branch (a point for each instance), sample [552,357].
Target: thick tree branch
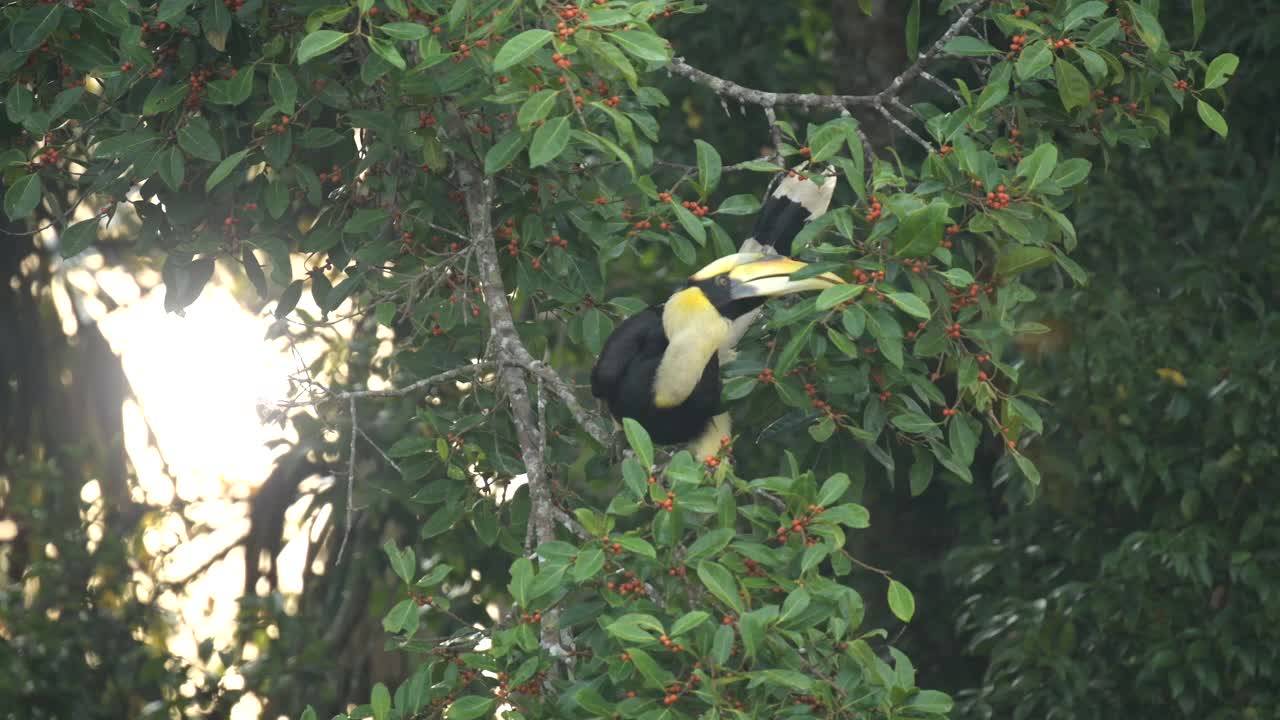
[511,355]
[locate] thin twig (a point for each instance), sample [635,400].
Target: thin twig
[904,128]
[351,478]
[955,95]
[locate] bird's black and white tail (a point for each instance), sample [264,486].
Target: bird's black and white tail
[791,201]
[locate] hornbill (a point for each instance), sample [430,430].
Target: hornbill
[661,367]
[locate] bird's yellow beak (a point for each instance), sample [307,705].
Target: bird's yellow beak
[759,275]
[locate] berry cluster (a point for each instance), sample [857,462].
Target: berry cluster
[954,331]
[569,15]
[673,647]
[670,503]
[1181,86]
[1063,43]
[862,277]
[49,156]
[999,199]
[630,586]
[812,701]
[874,214]
[798,525]
[695,208]
[1016,43]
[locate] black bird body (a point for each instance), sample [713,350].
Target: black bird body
[661,367]
[635,350]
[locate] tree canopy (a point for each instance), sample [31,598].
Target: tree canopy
[487,188]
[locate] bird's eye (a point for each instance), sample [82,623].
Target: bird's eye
[722,280]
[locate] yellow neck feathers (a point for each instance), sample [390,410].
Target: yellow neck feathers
[695,330]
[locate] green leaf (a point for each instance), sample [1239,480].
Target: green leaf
[914,422]
[1021,258]
[1028,468]
[958,277]
[596,327]
[836,294]
[198,143]
[1148,26]
[833,489]
[402,617]
[589,699]
[589,563]
[790,352]
[164,98]
[739,205]
[380,701]
[388,52]
[1220,70]
[64,101]
[627,629]
[921,473]
[171,10]
[910,304]
[643,45]
[288,299]
[520,47]
[931,702]
[797,602]
[22,197]
[850,514]
[969,46]
[901,601]
[78,237]
[1073,87]
[1035,57]
[920,232]
[691,224]
[1082,12]
[913,31]
[537,107]
[521,580]
[224,169]
[1072,172]
[403,562]
[719,581]
[997,88]
[549,141]
[638,546]
[709,166]
[826,141]
[253,270]
[1039,165]
[787,678]
[689,621]
[234,90]
[469,707]
[320,42]
[1197,19]
[405,30]
[708,544]
[638,439]
[1211,117]
[503,152]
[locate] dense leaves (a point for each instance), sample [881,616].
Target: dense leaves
[356,135]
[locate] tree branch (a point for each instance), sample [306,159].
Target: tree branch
[512,355]
[768,100]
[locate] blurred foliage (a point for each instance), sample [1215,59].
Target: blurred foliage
[1143,582]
